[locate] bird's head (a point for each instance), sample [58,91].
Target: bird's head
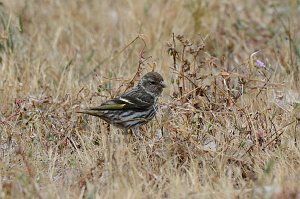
[153,83]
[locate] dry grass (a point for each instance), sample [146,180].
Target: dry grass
[228,128]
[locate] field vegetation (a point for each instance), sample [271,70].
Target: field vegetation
[228,122]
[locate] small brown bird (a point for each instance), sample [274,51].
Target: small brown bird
[133,108]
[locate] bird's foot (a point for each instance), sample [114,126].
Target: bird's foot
[136,133]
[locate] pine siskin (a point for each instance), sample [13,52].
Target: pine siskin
[135,107]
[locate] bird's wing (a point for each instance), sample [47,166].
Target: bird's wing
[130,100]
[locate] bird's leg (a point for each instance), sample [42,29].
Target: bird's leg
[125,132]
[136,132]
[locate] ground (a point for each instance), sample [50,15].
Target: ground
[227,124]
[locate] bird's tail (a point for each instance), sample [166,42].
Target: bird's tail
[92,112]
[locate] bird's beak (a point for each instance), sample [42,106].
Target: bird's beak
[163,84]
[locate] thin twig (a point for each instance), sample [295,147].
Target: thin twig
[277,136]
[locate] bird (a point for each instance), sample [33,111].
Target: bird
[135,107]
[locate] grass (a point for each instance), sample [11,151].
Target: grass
[228,126]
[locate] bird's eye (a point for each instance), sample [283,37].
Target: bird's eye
[151,82]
